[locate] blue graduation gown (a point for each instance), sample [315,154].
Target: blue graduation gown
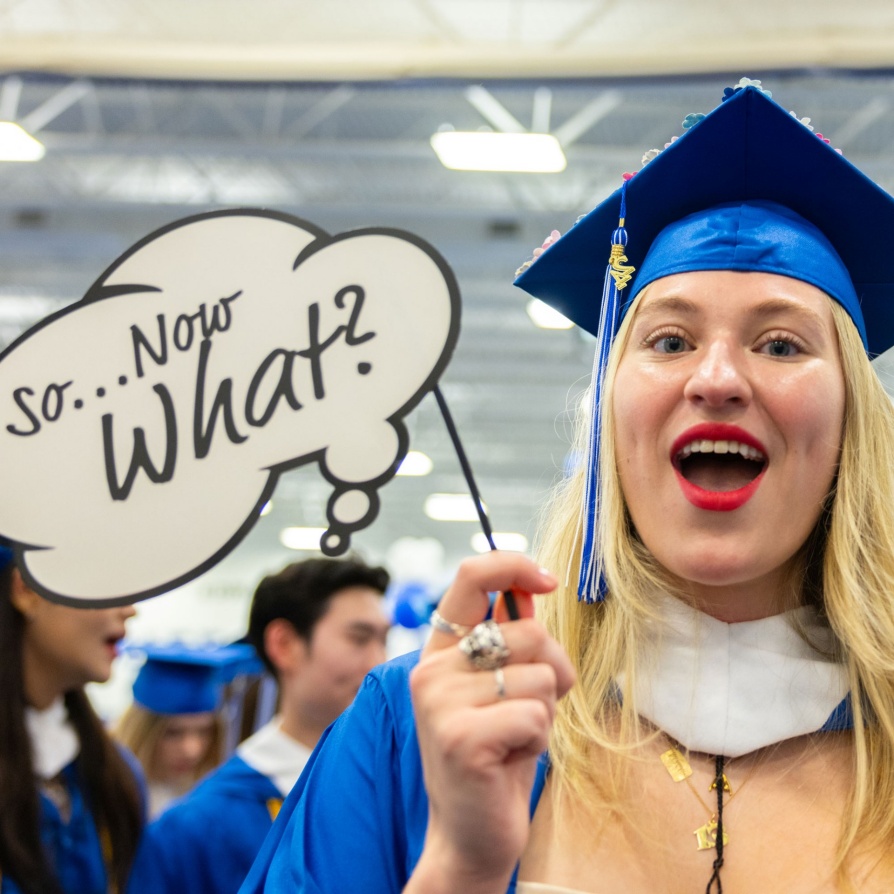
[356,819]
[74,848]
[205,842]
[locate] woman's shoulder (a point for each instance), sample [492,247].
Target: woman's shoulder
[389,683]
[394,674]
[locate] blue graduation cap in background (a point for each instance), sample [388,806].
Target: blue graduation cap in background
[177,679]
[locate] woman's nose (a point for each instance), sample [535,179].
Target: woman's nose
[720,377]
[194,746]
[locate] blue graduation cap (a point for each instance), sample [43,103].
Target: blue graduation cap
[747,150]
[177,679]
[746,187]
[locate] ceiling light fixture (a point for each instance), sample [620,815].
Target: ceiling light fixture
[547,317]
[16,144]
[302,538]
[510,541]
[415,464]
[525,153]
[451,507]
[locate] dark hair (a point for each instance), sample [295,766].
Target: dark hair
[301,594]
[110,788]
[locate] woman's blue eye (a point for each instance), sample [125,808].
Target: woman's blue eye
[780,348]
[671,344]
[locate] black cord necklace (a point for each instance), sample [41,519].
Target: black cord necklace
[719,783]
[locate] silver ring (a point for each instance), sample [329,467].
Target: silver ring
[485,646]
[500,680]
[439,622]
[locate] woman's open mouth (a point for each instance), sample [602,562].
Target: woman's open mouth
[718,473]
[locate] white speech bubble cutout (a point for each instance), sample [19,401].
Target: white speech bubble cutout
[142,430]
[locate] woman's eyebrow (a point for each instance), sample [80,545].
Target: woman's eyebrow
[767,308]
[668,304]
[777,306]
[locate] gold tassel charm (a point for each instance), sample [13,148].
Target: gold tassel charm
[620,272]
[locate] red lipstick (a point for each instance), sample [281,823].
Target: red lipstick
[712,500]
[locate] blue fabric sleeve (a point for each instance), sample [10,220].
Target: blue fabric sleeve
[206,842]
[356,819]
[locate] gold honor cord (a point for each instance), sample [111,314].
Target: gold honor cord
[679,769]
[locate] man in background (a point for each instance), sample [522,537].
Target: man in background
[319,626]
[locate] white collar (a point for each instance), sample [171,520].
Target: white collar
[733,688]
[275,754]
[54,742]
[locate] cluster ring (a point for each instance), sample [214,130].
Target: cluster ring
[485,646]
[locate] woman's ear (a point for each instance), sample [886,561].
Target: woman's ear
[23,598]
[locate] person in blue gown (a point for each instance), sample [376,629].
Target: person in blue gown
[73,802]
[319,626]
[707,698]
[177,724]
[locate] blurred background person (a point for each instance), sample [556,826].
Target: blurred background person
[319,626]
[176,725]
[72,804]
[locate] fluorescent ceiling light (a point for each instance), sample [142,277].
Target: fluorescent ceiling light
[16,144]
[547,317]
[508,540]
[451,507]
[527,153]
[301,538]
[415,463]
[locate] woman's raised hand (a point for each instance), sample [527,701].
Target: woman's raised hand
[481,731]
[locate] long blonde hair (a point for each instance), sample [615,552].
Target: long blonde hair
[848,565]
[140,730]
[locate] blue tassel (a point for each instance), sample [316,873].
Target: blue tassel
[591,583]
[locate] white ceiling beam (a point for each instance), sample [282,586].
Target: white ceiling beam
[492,110]
[9,98]
[56,105]
[865,117]
[579,123]
[543,104]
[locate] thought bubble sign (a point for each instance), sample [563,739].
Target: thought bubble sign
[142,430]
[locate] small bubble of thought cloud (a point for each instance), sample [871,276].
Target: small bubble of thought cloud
[143,428]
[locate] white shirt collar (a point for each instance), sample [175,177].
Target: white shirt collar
[733,688]
[54,742]
[275,754]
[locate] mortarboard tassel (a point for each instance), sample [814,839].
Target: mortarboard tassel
[591,583]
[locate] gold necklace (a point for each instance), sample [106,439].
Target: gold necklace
[680,770]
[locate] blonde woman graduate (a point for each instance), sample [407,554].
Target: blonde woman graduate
[708,705]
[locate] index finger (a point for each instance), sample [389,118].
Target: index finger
[467,600]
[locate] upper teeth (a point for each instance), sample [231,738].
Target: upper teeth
[722,447]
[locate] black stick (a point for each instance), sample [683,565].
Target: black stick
[511,607]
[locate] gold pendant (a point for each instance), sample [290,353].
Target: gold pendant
[726,786]
[676,765]
[706,836]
